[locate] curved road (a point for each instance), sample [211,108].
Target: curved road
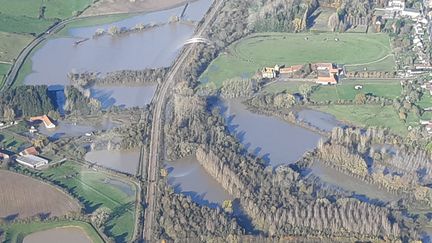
[157,127]
[13,73]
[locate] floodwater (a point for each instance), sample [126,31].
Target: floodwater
[153,48]
[320,120]
[277,141]
[63,234]
[124,96]
[123,161]
[67,129]
[188,177]
[362,189]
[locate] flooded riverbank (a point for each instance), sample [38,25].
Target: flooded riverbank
[68,129]
[277,141]
[124,96]
[362,189]
[125,161]
[63,234]
[320,120]
[188,177]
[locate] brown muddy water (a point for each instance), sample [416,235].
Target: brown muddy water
[123,161]
[63,235]
[68,129]
[361,188]
[277,141]
[153,48]
[188,177]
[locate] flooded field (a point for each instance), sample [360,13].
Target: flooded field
[67,129]
[153,48]
[123,161]
[349,183]
[63,235]
[320,120]
[277,141]
[187,176]
[124,96]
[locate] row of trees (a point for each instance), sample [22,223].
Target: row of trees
[182,219]
[279,202]
[391,164]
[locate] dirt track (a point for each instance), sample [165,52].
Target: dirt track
[126,6]
[22,197]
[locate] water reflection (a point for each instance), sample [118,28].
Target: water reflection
[188,177]
[276,141]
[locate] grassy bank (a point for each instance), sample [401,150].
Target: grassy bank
[92,188]
[92,21]
[15,233]
[370,116]
[345,90]
[11,45]
[246,57]
[23,16]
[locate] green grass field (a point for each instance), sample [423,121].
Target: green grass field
[246,57]
[4,69]
[345,90]
[15,233]
[370,115]
[11,45]
[93,191]
[21,16]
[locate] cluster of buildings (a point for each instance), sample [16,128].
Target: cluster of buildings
[398,8]
[28,157]
[324,73]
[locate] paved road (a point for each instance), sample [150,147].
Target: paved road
[13,73]
[157,128]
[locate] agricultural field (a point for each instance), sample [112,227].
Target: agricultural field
[96,189]
[345,90]
[246,57]
[23,197]
[370,115]
[11,45]
[25,16]
[15,233]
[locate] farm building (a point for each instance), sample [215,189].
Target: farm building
[290,70]
[31,161]
[29,151]
[327,73]
[269,73]
[45,119]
